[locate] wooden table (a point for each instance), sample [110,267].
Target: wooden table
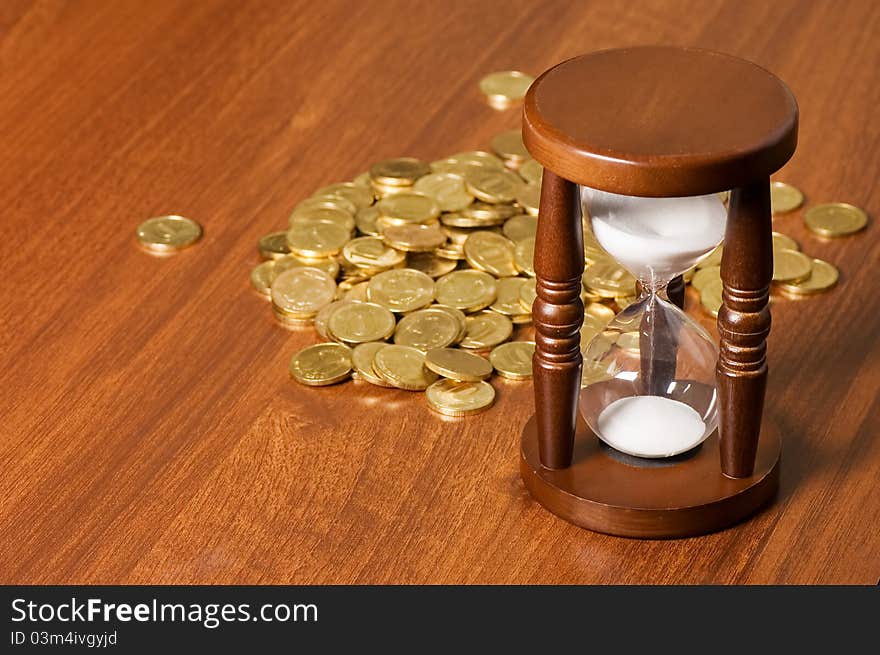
[150,433]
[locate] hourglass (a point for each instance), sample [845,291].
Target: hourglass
[668,436]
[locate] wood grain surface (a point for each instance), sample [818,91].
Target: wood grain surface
[150,433]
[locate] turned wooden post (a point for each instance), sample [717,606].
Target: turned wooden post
[743,324]
[558,314]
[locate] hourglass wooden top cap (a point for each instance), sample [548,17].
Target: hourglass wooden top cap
[660,121]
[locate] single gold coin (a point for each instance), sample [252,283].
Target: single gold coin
[452,251]
[458,364]
[524,256]
[531,171]
[823,276]
[167,234]
[366,220]
[609,279]
[262,276]
[413,237]
[426,329]
[273,246]
[357,195]
[403,208]
[510,147]
[505,87]
[529,198]
[710,296]
[360,322]
[528,293]
[513,360]
[493,186]
[447,189]
[784,198]
[712,259]
[334,202]
[459,317]
[835,219]
[403,367]
[486,330]
[371,253]
[362,357]
[704,276]
[521,226]
[791,266]
[401,290]
[322,318]
[478,158]
[454,398]
[401,171]
[507,300]
[490,252]
[466,290]
[322,364]
[486,211]
[322,214]
[285,263]
[302,292]
[317,239]
[783,241]
[430,264]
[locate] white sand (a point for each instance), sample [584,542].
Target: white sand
[650,426]
[655,238]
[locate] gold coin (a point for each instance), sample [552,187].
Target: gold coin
[372,253]
[458,364]
[513,360]
[529,198]
[167,234]
[273,246]
[493,186]
[407,207]
[531,171]
[781,241]
[705,275]
[360,322]
[823,276]
[454,398]
[524,256]
[262,276]
[338,203]
[323,317]
[507,300]
[486,330]
[302,292]
[430,264]
[712,259]
[401,290]
[835,219]
[447,189]
[426,329]
[486,211]
[477,158]
[466,290]
[710,296]
[790,266]
[357,292]
[784,198]
[414,238]
[510,147]
[357,195]
[528,293]
[403,367]
[459,317]
[322,364]
[317,239]
[505,87]
[402,171]
[452,251]
[328,214]
[520,227]
[362,359]
[609,279]
[366,221]
[285,263]
[490,252]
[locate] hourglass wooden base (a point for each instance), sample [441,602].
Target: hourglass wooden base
[662,499]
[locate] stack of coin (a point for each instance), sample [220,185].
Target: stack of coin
[418,275]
